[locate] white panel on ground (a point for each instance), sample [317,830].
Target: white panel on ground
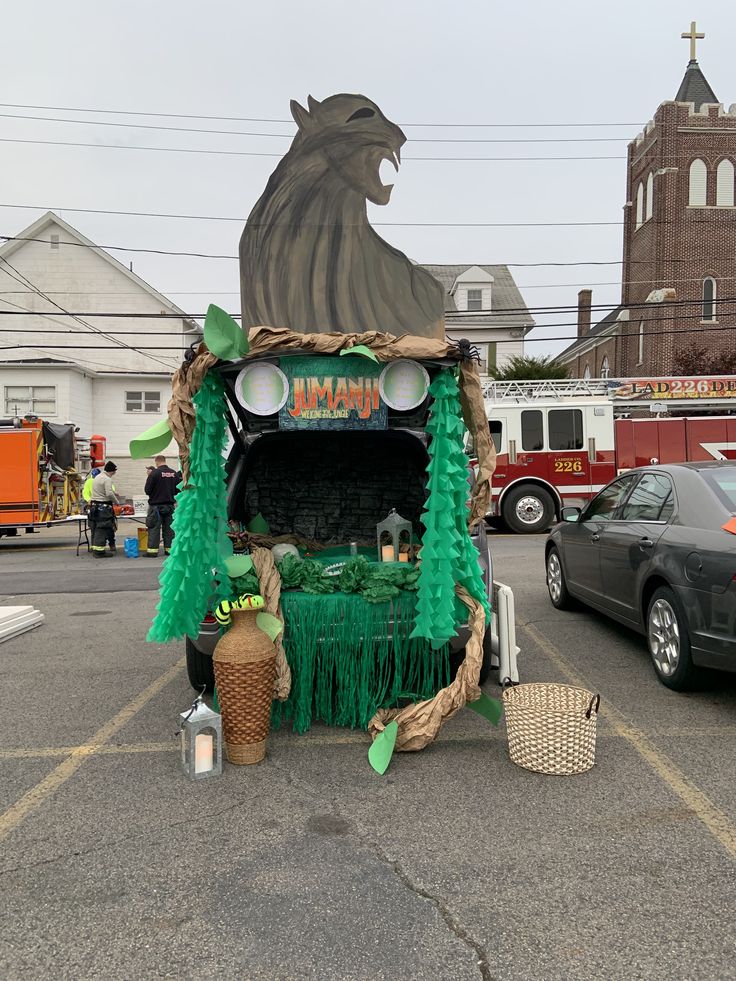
[16,620]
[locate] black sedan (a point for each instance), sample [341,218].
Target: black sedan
[652,552]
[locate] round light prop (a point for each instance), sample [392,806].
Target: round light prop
[403,384]
[262,388]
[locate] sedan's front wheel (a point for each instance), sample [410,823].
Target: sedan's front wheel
[669,641]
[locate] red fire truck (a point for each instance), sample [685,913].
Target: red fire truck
[559,442]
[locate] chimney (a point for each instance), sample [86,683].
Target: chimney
[584,300]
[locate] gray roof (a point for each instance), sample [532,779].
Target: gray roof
[694,87]
[505,292]
[599,328]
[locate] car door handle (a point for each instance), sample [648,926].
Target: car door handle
[646,543]
[595,538]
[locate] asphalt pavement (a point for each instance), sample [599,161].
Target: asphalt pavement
[455,864]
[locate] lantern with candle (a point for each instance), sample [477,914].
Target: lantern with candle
[201,741]
[394,526]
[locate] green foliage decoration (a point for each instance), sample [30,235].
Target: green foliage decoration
[154,440]
[448,555]
[530,368]
[223,336]
[195,572]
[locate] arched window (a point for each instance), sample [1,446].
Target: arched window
[724,184]
[698,184]
[639,205]
[605,367]
[640,356]
[650,197]
[586,373]
[709,298]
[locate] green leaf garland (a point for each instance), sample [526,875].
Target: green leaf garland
[154,440]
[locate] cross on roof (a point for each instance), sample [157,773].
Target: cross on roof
[692,35]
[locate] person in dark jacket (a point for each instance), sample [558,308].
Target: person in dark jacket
[161,486]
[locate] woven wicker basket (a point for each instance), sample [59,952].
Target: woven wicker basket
[551,728]
[245,668]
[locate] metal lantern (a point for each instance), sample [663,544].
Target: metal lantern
[394,526]
[201,741]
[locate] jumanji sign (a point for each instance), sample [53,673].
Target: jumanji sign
[332,393]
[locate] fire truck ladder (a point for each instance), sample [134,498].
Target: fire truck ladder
[531,391]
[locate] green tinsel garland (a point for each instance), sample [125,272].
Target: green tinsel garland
[349,658]
[448,555]
[200,525]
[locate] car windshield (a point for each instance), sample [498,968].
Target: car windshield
[723,482]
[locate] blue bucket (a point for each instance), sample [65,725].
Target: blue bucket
[131,548]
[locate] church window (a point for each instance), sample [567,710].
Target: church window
[709,298]
[586,373]
[605,367]
[640,356]
[475,299]
[650,197]
[639,205]
[698,188]
[724,184]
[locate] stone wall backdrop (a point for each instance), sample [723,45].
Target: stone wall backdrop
[334,487]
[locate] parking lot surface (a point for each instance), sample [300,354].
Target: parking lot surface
[456,864]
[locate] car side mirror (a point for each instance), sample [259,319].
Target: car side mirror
[570,514]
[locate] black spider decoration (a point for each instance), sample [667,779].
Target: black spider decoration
[467,351]
[190,354]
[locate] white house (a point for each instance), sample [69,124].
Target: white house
[484,305]
[87,370]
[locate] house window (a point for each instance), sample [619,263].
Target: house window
[698,186]
[709,298]
[143,401]
[724,184]
[532,432]
[639,205]
[586,373]
[605,367]
[40,400]
[475,299]
[640,356]
[650,197]
[54,240]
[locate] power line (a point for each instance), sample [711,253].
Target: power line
[255,153]
[290,136]
[261,119]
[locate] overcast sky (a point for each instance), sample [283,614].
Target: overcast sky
[529,62]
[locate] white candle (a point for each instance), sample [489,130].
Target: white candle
[387,553]
[203,752]
[403,556]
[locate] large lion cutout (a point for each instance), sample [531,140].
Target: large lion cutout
[309,259]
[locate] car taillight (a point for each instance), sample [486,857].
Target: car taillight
[209,619]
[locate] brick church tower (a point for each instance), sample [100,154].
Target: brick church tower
[679,257]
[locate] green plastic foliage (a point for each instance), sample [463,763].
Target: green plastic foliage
[448,554]
[490,708]
[222,335]
[382,748]
[195,574]
[238,565]
[359,349]
[153,441]
[269,624]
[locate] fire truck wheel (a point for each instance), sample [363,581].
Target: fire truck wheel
[669,641]
[200,668]
[528,509]
[556,585]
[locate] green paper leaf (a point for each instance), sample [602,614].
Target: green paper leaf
[222,335]
[489,708]
[238,565]
[152,441]
[269,624]
[359,349]
[259,525]
[382,748]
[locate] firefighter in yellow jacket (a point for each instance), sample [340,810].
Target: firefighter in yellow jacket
[101,512]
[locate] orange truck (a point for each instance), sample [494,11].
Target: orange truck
[42,467]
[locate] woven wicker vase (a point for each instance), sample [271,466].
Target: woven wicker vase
[245,668]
